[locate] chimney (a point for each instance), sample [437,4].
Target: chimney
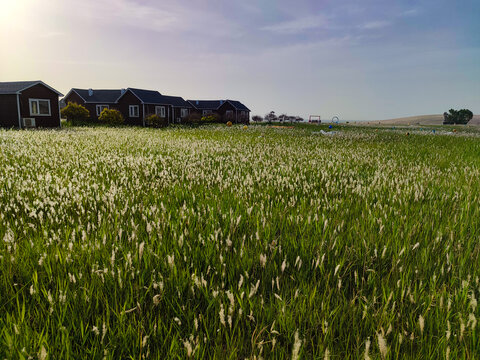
[122,91]
[197,102]
[90,92]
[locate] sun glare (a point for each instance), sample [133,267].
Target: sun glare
[11,10]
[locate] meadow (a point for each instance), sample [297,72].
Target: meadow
[232,243]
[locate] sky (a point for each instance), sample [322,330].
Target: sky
[358,60]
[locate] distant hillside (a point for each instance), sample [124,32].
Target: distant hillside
[422,120]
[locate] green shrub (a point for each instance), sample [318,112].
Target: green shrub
[211,118]
[75,113]
[192,118]
[156,121]
[111,117]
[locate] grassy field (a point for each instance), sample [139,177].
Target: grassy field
[228,243]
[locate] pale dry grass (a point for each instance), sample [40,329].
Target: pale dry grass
[420,120]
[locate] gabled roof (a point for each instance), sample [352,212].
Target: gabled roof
[98,96]
[16,87]
[206,104]
[154,97]
[175,101]
[215,104]
[238,105]
[146,96]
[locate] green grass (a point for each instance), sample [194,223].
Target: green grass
[141,243]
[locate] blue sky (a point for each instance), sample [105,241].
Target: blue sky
[360,60]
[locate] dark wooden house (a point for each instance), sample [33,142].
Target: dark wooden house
[137,104]
[205,107]
[94,100]
[234,111]
[228,110]
[25,104]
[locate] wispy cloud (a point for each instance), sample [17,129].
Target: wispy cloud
[298,25]
[410,12]
[372,25]
[132,14]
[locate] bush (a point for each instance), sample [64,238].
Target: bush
[75,113]
[257,118]
[211,118]
[156,121]
[457,117]
[111,117]
[192,118]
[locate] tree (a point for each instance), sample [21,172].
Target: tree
[111,117]
[462,116]
[271,117]
[75,113]
[257,118]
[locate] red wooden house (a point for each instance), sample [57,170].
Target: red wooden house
[25,104]
[137,104]
[228,110]
[94,100]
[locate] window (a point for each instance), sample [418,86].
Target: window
[100,108]
[133,111]
[39,107]
[160,111]
[206,112]
[243,114]
[229,114]
[184,113]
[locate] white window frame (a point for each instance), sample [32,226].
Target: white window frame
[207,112]
[160,111]
[132,113]
[99,108]
[184,113]
[30,101]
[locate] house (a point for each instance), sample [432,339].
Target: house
[94,100]
[137,104]
[205,107]
[234,111]
[228,110]
[29,104]
[179,108]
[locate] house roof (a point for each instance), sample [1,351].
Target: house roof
[16,87]
[175,101]
[98,96]
[147,96]
[238,105]
[215,104]
[154,97]
[206,104]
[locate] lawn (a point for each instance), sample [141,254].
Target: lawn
[235,243]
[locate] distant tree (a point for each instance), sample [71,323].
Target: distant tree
[462,116]
[257,118]
[111,117]
[283,117]
[75,113]
[271,117]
